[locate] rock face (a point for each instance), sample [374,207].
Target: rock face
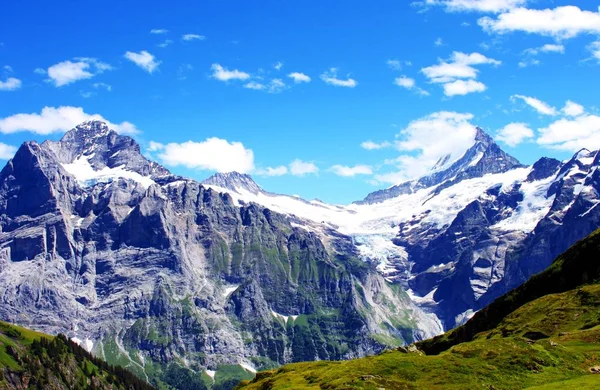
[144,267]
[469,231]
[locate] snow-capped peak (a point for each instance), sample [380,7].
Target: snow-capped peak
[484,156]
[234,181]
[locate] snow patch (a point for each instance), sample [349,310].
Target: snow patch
[85,174]
[86,344]
[248,367]
[211,374]
[464,317]
[229,290]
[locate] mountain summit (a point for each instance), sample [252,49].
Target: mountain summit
[234,181]
[483,157]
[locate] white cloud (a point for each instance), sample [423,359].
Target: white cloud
[255,85]
[165,43]
[370,145]
[394,64]
[529,62]
[193,37]
[10,84]
[302,168]
[438,42]
[154,146]
[299,77]
[492,6]
[594,48]
[346,171]
[277,171]
[223,74]
[404,82]
[159,31]
[573,109]
[560,22]
[39,71]
[572,134]
[540,106]
[278,65]
[552,48]
[68,72]
[547,48]
[57,120]
[274,86]
[105,86]
[7,68]
[7,151]
[514,133]
[459,66]
[421,148]
[144,60]
[410,84]
[213,154]
[331,77]
[463,87]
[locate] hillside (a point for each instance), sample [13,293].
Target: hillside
[544,334]
[32,360]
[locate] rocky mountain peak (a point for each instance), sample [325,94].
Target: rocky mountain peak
[482,157]
[234,181]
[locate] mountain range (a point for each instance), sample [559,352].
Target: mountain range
[147,269]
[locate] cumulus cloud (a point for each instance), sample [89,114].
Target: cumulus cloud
[561,22]
[572,134]
[10,84]
[458,73]
[491,6]
[514,133]
[56,120]
[7,151]
[193,37]
[68,72]
[213,154]
[299,77]
[346,171]
[420,146]
[223,74]
[463,87]
[404,82]
[302,168]
[331,77]
[538,105]
[159,31]
[278,65]
[572,109]
[144,60]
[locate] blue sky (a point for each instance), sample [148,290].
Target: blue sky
[226,84]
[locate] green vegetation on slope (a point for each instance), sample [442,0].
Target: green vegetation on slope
[579,265]
[543,335]
[33,360]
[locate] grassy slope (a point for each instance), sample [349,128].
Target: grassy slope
[55,363]
[491,351]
